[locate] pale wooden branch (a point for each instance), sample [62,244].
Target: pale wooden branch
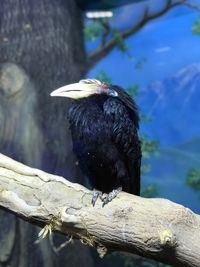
[154,228]
[103,50]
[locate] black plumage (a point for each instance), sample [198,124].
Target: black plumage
[104,127]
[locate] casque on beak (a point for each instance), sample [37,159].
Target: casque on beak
[84,88]
[78,90]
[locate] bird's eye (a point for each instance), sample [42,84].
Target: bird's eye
[112,92]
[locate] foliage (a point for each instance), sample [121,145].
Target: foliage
[140,63]
[120,43]
[196,27]
[93,31]
[148,146]
[193,179]
[103,77]
[133,90]
[145,168]
[145,118]
[99,30]
[150,191]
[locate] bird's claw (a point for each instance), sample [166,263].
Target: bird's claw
[95,196]
[111,195]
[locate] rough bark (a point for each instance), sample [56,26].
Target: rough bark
[43,40]
[154,228]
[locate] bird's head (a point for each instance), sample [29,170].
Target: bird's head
[84,88]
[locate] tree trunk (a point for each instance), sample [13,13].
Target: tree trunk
[41,48]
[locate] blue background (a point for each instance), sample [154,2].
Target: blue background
[169,92]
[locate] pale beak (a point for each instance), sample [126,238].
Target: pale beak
[76,90]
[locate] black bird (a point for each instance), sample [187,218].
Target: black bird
[104,125]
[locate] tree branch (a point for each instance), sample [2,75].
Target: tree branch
[192,6]
[154,228]
[100,52]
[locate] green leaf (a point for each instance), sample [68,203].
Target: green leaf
[145,118]
[93,31]
[196,27]
[150,191]
[120,43]
[193,179]
[103,77]
[145,168]
[149,147]
[140,63]
[133,90]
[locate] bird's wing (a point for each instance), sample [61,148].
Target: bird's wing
[129,103]
[125,138]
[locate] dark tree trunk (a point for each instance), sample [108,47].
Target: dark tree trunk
[41,48]
[44,40]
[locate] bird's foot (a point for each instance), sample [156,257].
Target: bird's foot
[111,195]
[95,196]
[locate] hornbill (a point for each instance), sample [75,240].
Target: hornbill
[104,125]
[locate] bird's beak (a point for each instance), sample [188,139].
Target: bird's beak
[76,90]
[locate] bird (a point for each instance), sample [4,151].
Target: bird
[104,123]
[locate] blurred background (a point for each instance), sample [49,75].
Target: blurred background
[151,49]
